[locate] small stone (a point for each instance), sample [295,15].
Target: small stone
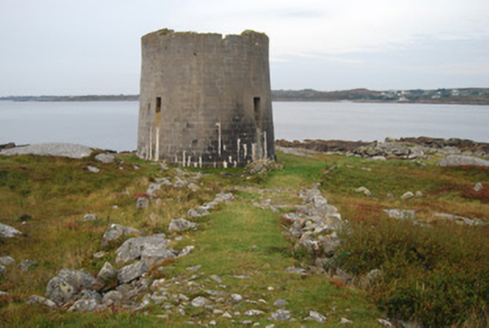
[296,270]
[90,217]
[93,169]
[408,195]
[105,158]
[280,303]
[418,194]
[142,202]
[281,315]
[345,321]
[364,190]
[216,278]
[236,298]
[270,288]
[117,231]
[253,313]
[212,323]
[194,268]
[227,315]
[201,302]
[317,316]
[478,187]
[35,299]
[99,255]
[185,251]
[180,225]
[384,322]
[7,261]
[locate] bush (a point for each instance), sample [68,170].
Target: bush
[437,276]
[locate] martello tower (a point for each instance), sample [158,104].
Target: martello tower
[205,99]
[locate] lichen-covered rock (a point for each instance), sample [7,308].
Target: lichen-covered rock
[117,231]
[107,272]
[132,271]
[60,291]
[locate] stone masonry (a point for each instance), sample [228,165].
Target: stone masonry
[205,99]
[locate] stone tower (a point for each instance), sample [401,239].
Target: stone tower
[205,99]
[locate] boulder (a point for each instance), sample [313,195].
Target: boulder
[181,225]
[117,231]
[459,160]
[133,248]
[8,232]
[112,298]
[105,158]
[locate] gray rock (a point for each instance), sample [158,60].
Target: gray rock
[186,250]
[112,298]
[180,225]
[35,299]
[253,313]
[478,187]
[281,315]
[6,261]
[408,195]
[99,255]
[374,274]
[117,231]
[90,217]
[201,302]
[153,187]
[280,303]
[295,270]
[132,271]
[25,264]
[133,248]
[317,316]
[142,202]
[385,323]
[236,298]
[459,160]
[419,194]
[8,232]
[364,190]
[51,149]
[401,214]
[84,305]
[345,321]
[78,279]
[107,272]
[216,278]
[105,158]
[93,169]
[150,256]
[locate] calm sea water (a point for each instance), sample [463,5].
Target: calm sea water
[113,125]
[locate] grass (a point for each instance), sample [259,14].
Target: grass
[423,267]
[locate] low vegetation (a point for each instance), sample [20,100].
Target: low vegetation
[434,272]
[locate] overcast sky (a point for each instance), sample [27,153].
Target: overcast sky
[65,47]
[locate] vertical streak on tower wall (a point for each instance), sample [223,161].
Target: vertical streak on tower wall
[205,100]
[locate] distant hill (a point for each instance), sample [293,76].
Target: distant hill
[474,96]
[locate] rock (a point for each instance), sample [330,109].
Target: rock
[377,158]
[90,217]
[280,303]
[281,315]
[385,323]
[364,190]
[194,268]
[216,278]
[408,195]
[117,231]
[51,149]
[186,250]
[8,232]
[60,291]
[150,256]
[142,202]
[84,305]
[478,187]
[418,193]
[401,214]
[236,298]
[253,313]
[99,255]
[133,248]
[459,219]
[35,299]
[7,261]
[181,225]
[374,275]
[25,264]
[296,270]
[112,298]
[459,160]
[227,315]
[105,158]
[132,271]
[317,316]
[345,321]
[107,273]
[93,169]
[153,187]
[344,277]
[201,302]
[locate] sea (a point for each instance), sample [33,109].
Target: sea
[113,124]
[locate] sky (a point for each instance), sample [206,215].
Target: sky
[66,47]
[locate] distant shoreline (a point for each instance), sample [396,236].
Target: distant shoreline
[461,96]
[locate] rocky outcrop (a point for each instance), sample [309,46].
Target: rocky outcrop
[50,149]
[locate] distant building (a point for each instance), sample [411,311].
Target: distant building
[205,99]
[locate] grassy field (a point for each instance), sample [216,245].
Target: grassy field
[435,274]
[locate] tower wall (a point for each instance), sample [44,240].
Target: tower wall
[205,100]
